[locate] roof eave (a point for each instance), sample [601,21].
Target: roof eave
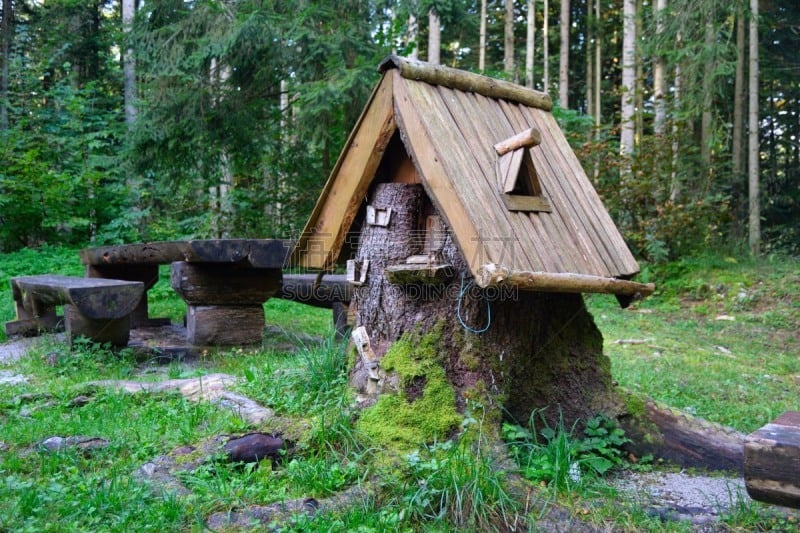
[490,275]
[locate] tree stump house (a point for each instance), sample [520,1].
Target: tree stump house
[466,219]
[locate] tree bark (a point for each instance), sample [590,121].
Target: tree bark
[754,226]
[540,350]
[659,75]
[590,35]
[482,37]
[675,183]
[707,118]
[7,37]
[638,109]
[529,43]
[681,438]
[739,96]
[546,47]
[563,63]
[508,40]
[412,36]
[598,68]
[434,37]
[129,62]
[627,125]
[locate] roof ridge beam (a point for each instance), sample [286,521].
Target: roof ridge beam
[466,81]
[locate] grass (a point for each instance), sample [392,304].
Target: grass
[718,339]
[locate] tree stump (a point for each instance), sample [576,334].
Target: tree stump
[539,350]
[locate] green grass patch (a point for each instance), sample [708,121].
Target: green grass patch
[717,339]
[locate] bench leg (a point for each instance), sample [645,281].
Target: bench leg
[27,323]
[113,331]
[224,325]
[147,274]
[340,325]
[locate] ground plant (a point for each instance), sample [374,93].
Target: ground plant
[725,325]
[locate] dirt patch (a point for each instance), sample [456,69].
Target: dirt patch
[681,496]
[16,348]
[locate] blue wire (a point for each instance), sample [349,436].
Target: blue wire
[461,294]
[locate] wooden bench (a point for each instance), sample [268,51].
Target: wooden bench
[99,309]
[772,461]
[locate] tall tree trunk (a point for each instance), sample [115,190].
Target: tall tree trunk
[598,68]
[563,59]
[546,46]
[434,37]
[675,183]
[529,43]
[7,37]
[590,35]
[412,36]
[737,147]
[659,75]
[482,45]
[754,205]
[638,109]
[627,125]
[707,118]
[508,41]
[129,62]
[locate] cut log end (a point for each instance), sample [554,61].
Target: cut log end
[772,461]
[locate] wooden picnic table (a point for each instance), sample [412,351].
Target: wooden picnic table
[223,281]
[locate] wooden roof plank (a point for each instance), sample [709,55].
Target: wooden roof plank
[338,204]
[620,250]
[469,179]
[527,248]
[551,229]
[528,231]
[513,171]
[422,150]
[595,232]
[614,250]
[559,178]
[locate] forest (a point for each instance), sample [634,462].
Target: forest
[127,121]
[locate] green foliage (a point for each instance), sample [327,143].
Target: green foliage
[303,389]
[560,459]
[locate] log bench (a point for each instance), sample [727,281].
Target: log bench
[331,291]
[99,309]
[772,461]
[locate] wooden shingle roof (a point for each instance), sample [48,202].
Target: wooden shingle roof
[449,122]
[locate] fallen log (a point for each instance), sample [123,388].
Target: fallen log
[681,438]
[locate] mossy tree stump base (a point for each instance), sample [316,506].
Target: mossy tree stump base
[541,351]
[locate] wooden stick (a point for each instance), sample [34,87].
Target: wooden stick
[467,81]
[526,139]
[492,274]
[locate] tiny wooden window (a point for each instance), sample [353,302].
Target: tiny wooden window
[516,173]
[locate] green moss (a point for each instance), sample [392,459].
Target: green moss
[634,405]
[399,423]
[413,355]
